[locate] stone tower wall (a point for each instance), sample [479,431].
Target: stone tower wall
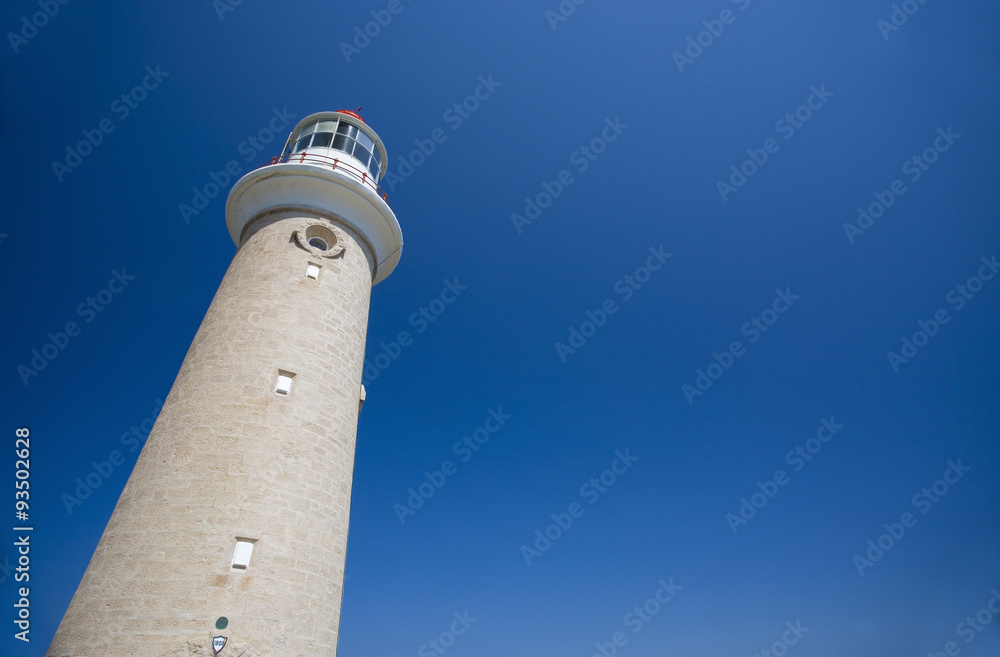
[230,458]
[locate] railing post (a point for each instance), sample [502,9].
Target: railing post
[323,159]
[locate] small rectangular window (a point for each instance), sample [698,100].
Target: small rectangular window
[312,271]
[284,383]
[241,556]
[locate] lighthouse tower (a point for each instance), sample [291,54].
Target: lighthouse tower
[230,536]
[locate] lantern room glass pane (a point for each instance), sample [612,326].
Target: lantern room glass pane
[326,126]
[366,140]
[361,153]
[322,139]
[308,130]
[347,129]
[302,143]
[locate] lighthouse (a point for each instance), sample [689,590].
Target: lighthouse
[230,536]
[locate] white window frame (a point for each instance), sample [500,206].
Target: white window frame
[242,553]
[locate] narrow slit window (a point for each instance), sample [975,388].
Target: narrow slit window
[241,556]
[312,271]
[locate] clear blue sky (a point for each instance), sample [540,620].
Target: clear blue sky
[774,240]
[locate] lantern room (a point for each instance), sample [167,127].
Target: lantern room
[331,165]
[343,136]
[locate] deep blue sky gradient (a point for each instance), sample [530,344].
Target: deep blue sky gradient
[495,346]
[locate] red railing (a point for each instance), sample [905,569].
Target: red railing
[333,163]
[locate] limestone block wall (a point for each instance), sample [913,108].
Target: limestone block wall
[229,458]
